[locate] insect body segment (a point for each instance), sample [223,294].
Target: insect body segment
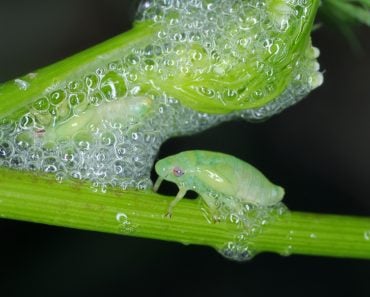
[219,179]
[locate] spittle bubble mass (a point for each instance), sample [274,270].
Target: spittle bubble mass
[203,62]
[107,125]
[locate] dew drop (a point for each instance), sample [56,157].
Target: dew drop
[22,84]
[313,236]
[287,251]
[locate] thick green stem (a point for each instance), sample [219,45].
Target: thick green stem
[317,234]
[248,79]
[41,199]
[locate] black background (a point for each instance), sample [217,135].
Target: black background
[318,150]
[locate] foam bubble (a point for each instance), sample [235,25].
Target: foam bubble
[118,113]
[106,127]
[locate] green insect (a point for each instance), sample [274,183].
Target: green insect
[212,175]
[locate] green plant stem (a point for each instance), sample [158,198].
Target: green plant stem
[16,95]
[40,199]
[13,97]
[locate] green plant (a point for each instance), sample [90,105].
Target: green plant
[27,197]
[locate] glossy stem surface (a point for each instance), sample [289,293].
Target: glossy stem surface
[40,199]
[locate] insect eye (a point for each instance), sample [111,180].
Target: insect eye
[177,171]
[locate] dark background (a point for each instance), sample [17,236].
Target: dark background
[318,150]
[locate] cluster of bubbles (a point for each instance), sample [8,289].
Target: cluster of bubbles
[108,126]
[201,41]
[235,53]
[249,218]
[106,150]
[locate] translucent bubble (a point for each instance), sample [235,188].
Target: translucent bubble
[6,149]
[82,140]
[24,140]
[123,149]
[78,102]
[27,122]
[132,77]
[57,97]
[49,147]
[32,166]
[35,154]
[69,156]
[43,118]
[75,86]
[17,161]
[149,50]
[113,86]
[116,66]
[76,174]
[234,218]
[8,126]
[132,59]
[102,155]
[53,112]
[60,176]
[125,225]
[100,72]
[144,184]
[287,251]
[149,65]
[119,167]
[41,104]
[22,84]
[108,139]
[236,252]
[50,164]
[96,98]
[91,81]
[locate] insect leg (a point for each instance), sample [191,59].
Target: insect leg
[179,196]
[157,184]
[212,207]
